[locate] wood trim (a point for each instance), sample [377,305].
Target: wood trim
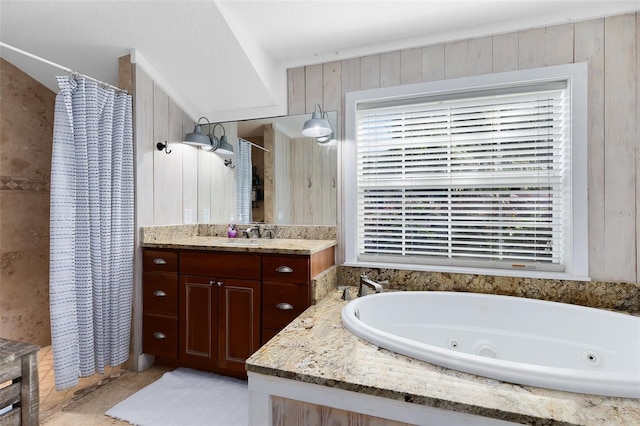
[322,260]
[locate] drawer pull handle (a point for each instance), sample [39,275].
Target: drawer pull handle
[284,269]
[159,293]
[284,306]
[159,335]
[159,261]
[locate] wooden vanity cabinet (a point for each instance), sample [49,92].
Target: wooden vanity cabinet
[212,310]
[219,310]
[160,303]
[286,287]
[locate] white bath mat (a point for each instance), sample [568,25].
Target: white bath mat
[186,397]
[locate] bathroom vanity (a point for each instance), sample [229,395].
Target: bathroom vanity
[210,302]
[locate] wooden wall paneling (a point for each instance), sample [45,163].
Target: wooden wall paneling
[223,179]
[144,147]
[456,59]
[313,87]
[637,144]
[559,44]
[189,171]
[143,130]
[175,145]
[332,82]
[531,48]
[390,69]
[167,169]
[313,194]
[283,178]
[480,56]
[298,179]
[204,182]
[433,63]
[411,66]
[331,86]
[620,150]
[505,52]
[296,90]
[269,188]
[589,46]
[370,72]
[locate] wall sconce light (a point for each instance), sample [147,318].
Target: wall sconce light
[209,142]
[317,126]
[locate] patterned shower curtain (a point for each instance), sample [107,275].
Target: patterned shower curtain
[91,229]
[244,177]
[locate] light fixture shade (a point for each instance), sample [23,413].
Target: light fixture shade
[197,138]
[224,148]
[316,127]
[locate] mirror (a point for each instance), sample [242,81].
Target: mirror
[295,182]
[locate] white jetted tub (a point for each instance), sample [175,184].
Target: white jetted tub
[525,341]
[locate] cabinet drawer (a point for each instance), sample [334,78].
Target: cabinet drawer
[160,260]
[282,303]
[160,336]
[220,265]
[160,293]
[287,269]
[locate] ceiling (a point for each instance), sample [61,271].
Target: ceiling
[227,60]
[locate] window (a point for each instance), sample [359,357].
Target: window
[484,174]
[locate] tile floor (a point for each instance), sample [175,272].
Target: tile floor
[86,403]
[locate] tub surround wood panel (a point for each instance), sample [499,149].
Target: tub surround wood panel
[315,348]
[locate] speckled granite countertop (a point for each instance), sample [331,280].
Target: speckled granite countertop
[244,245]
[316,348]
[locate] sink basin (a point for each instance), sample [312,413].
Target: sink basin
[241,242]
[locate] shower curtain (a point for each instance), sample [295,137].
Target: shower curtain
[244,180]
[91,259]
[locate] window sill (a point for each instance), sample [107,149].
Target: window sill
[470,271]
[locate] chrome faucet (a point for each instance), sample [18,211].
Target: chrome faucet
[365,282]
[252,230]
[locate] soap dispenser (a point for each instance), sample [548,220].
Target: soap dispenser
[232,232]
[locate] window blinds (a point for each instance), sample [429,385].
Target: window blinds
[243,181]
[465,181]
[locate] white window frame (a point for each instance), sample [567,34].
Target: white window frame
[576,76]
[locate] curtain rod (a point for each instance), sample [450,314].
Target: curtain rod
[256,145]
[69,70]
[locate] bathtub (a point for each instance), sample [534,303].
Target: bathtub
[517,340]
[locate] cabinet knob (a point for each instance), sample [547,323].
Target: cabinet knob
[284,306]
[159,335]
[159,293]
[219,283]
[284,269]
[159,261]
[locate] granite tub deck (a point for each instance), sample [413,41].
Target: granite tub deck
[315,348]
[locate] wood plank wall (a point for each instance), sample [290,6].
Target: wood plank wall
[612,48]
[188,178]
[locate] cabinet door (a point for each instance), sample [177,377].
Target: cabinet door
[198,314]
[238,323]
